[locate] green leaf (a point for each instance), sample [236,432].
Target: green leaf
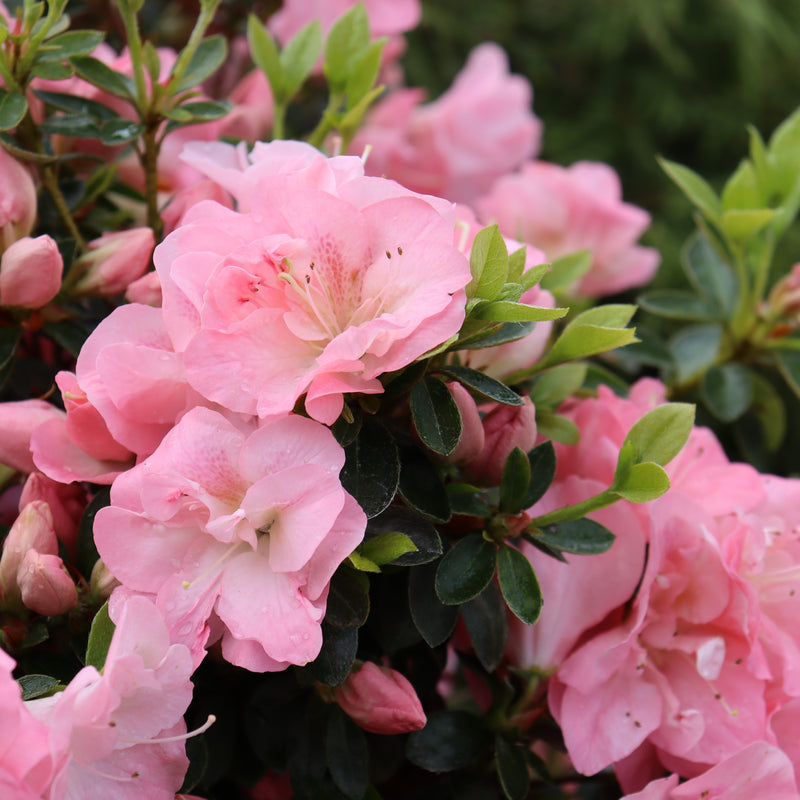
[789,366]
[435,415]
[487,624]
[468,501]
[558,427]
[678,304]
[584,537]
[512,769]
[205,110]
[348,599]
[364,74]
[100,635]
[567,270]
[508,332]
[299,56]
[466,570]
[361,563]
[516,267]
[339,646]
[386,547]
[205,61]
[514,482]
[12,109]
[152,61]
[99,74]
[694,187]
[87,554]
[507,311]
[71,43]
[530,277]
[742,189]
[264,51]
[372,469]
[434,620]
[728,391]
[661,433]
[74,104]
[120,131]
[770,411]
[348,36]
[581,341]
[451,740]
[423,535]
[421,486]
[518,584]
[52,70]
[482,384]
[76,125]
[743,223]
[709,274]
[542,461]
[695,349]
[347,755]
[488,262]
[34,686]
[642,482]
[555,385]
[611,315]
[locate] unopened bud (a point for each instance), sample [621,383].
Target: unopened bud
[113,262]
[45,585]
[17,200]
[30,272]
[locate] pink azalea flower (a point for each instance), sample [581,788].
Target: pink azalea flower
[456,146]
[121,734]
[236,528]
[18,420]
[326,282]
[563,210]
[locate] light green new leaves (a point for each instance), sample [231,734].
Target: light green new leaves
[100,635]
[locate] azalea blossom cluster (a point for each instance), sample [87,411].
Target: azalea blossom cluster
[195,493]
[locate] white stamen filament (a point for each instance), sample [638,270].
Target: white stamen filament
[227,554]
[182,737]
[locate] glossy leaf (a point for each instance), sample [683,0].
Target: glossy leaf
[339,646]
[484,385]
[583,537]
[677,304]
[104,77]
[709,274]
[465,570]
[512,769]
[695,349]
[518,584]
[487,624]
[661,433]
[417,530]
[75,104]
[386,547]
[71,43]
[451,740]
[12,109]
[205,61]
[642,482]
[348,599]
[435,415]
[514,482]
[372,470]
[347,755]
[434,620]
[421,486]
[34,686]
[488,262]
[120,131]
[542,461]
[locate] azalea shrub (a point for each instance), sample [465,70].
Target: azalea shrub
[332,464]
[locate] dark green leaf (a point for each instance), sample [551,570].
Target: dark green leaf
[52,70]
[71,43]
[206,110]
[73,104]
[789,365]
[694,349]
[348,599]
[581,536]
[339,646]
[434,620]
[465,570]
[468,501]
[205,61]
[120,131]
[728,391]
[518,584]
[9,340]
[100,635]
[12,109]
[424,536]
[770,411]
[104,77]
[435,415]
[77,126]
[346,754]
[87,552]
[710,274]
[483,385]
[421,486]
[514,482]
[371,471]
[507,332]
[512,769]
[68,333]
[487,624]
[678,304]
[450,740]
[37,686]
[542,460]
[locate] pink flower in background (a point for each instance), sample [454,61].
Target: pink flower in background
[18,420]
[237,530]
[456,146]
[565,209]
[30,272]
[17,200]
[381,700]
[121,734]
[327,281]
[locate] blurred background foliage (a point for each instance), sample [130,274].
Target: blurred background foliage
[625,81]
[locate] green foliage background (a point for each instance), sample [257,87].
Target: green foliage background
[621,82]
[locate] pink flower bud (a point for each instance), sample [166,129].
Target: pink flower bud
[505,427]
[67,502]
[17,200]
[101,582]
[381,700]
[113,262]
[32,530]
[784,299]
[30,272]
[44,584]
[18,420]
[145,290]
